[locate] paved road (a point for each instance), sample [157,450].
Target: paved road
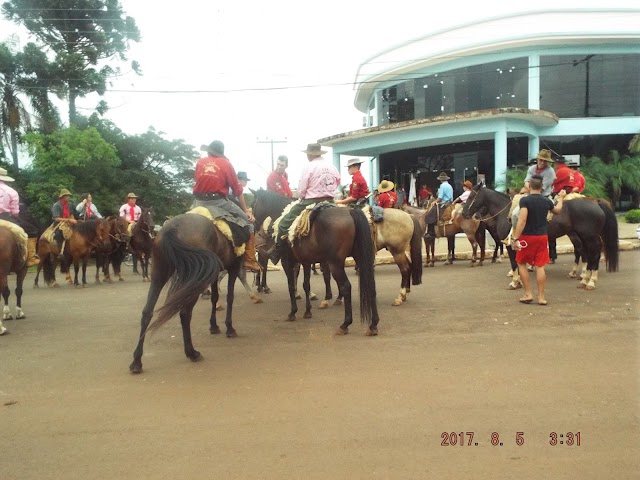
[291,400]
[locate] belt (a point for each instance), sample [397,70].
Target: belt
[209,196]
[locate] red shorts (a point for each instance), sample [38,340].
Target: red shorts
[536,252]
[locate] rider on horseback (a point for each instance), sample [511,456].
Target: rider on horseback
[318,183]
[358,190]
[445,197]
[214,177]
[61,212]
[10,211]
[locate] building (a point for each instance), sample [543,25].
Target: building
[480,98]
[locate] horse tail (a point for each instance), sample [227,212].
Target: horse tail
[610,237]
[193,268]
[416,254]
[364,256]
[48,268]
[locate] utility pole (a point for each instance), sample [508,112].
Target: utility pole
[272,141]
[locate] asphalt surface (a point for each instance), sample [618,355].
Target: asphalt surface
[292,400]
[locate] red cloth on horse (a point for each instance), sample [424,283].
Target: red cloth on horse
[536,252]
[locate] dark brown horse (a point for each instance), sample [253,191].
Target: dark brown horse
[334,234]
[191,252]
[590,223]
[141,242]
[11,260]
[114,249]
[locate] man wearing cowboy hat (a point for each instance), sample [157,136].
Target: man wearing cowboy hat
[358,190]
[542,168]
[318,182]
[387,198]
[565,177]
[61,212]
[10,211]
[278,180]
[131,211]
[444,197]
[215,177]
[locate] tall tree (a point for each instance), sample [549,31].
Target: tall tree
[82,36]
[618,173]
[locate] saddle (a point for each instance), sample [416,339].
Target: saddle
[50,232]
[237,236]
[301,226]
[20,236]
[439,214]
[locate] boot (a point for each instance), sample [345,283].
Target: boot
[32,256]
[431,232]
[276,252]
[250,256]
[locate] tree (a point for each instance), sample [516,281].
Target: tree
[81,37]
[621,171]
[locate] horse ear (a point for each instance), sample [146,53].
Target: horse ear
[252,191]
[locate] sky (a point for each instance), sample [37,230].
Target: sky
[249,71]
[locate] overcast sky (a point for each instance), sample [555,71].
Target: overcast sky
[278,69]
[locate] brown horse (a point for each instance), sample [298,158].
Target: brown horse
[471,227]
[190,251]
[141,243]
[334,234]
[114,249]
[11,260]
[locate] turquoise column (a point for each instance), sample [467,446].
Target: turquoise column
[534,99]
[500,158]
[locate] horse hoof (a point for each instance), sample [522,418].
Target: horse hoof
[219,308]
[214,330]
[313,296]
[307,315]
[338,302]
[323,304]
[231,333]
[371,332]
[121,279]
[341,331]
[397,302]
[135,368]
[572,275]
[195,356]
[256,299]
[582,286]
[291,318]
[267,290]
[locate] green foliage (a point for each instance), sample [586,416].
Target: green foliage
[633,216]
[620,171]
[515,179]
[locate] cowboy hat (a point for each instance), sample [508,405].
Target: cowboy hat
[544,155]
[385,186]
[533,161]
[4,177]
[64,192]
[354,161]
[243,176]
[314,149]
[467,184]
[443,176]
[561,160]
[132,195]
[214,147]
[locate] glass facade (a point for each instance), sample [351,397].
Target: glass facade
[571,86]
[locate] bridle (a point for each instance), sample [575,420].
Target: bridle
[484,219]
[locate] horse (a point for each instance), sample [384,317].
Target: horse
[591,222]
[398,233]
[472,228]
[334,234]
[11,260]
[141,243]
[191,251]
[114,250]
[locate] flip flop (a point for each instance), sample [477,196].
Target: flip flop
[543,304]
[526,300]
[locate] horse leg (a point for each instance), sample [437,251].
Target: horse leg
[233,274]
[242,275]
[289,267]
[134,259]
[99,261]
[451,249]
[592,250]
[6,313]
[306,285]
[147,312]
[515,281]
[214,294]
[19,282]
[76,270]
[340,276]
[185,320]
[85,260]
[405,272]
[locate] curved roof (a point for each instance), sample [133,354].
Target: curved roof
[504,33]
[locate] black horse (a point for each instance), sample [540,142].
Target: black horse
[590,222]
[141,242]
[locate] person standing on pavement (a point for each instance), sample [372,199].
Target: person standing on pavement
[530,238]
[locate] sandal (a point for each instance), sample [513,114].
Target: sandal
[526,300]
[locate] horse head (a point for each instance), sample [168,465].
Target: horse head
[472,204]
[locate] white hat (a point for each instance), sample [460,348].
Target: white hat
[4,177]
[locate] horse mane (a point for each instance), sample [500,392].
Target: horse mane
[487,189]
[273,199]
[87,227]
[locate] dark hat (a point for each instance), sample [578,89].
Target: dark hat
[443,176]
[314,149]
[283,159]
[533,161]
[214,147]
[243,176]
[561,160]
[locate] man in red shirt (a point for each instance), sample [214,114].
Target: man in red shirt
[565,179]
[387,198]
[424,195]
[358,190]
[278,180]
[214,177]
[578,181]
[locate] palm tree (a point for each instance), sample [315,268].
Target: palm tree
[621,171]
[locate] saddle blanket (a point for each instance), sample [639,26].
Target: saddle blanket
[223,226]
[49,233]
[20,235]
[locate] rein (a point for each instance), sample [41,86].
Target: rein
[484,219]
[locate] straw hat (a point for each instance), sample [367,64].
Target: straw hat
[64,192]
[4,177]
[385,186]
[544,155]
[443,176]
[132,195]
[314,149]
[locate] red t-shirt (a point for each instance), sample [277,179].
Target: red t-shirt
[564,178]
[358,188]
[279,183]
[579,181]
[216,175]
[424,193]
[387,199]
